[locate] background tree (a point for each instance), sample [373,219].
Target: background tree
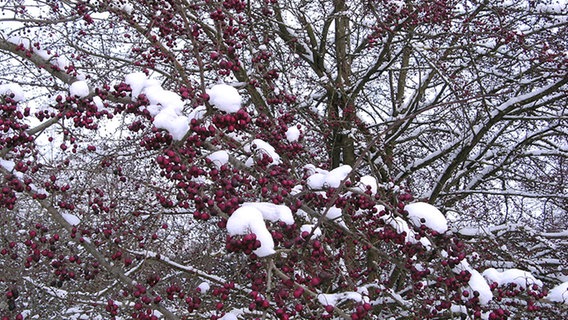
[260,159]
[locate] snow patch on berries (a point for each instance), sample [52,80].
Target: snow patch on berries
[368,181]
[198,113]
[293,134]
[307,229]
[203,287]
[335,213]
[127,8]
[136,81]
[476,281]
[225,98]
[559,293]
[12,89]
[519,277]
[272,212]
[99,103]
[20,41]
[400,225]
[71,219]
[335,176]
[250,219]
[259,148]
[165,98]
[166,106]
[219,158]
[316,180]
[168,119]
[320,178]
[79,89]
[425,213]
[333,299]
[7,164]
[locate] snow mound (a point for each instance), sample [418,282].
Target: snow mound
[559,293]
[368,181]
[261,147]
[293,134]
[219,158]
[71,219]
[432,217]
[12,89]
[166,106]
[308,228]
[79,89]
[272,212]
[322,178]
[519,277]
[225,98]
[250,219]
[476,282]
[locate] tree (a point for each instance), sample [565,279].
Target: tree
[283,159]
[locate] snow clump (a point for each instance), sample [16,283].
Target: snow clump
[559,293]
[432,217]
[368,181]
[225,98]
[165,106]
[219,158]
[203,287]
[71,219]
[333,299]
[322,178]
[79,89]
[311,229]
[519,277]
[12,89]
[250,219]
[476,281]
[261,147]
[293,134]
